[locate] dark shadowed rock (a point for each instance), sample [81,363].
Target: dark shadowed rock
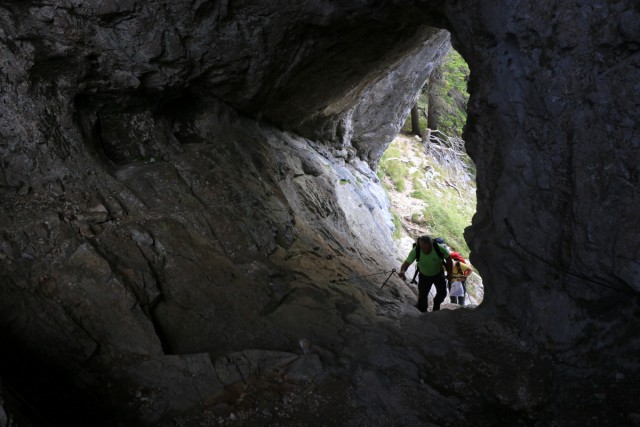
[189,203]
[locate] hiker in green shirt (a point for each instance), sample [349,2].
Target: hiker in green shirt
[432,259]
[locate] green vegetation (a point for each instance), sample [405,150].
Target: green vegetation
[455,76]
[442,185]
[444,194]
[449,94]
[447,216]
[394,165]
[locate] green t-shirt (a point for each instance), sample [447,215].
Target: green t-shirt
[429,264]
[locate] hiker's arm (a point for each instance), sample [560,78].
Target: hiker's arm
[403,269]
[449,267]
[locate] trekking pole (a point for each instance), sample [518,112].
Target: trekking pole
[389,277]
[359,277]
[414,276]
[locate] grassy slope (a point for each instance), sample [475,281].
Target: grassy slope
[429,197]
[444,201]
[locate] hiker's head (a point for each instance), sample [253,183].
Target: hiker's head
[426,243]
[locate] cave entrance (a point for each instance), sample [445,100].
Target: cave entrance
[430,179]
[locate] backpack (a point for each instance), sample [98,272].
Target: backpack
[457,257]
[436,246]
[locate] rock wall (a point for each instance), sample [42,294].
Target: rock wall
[189,203]
[554,130]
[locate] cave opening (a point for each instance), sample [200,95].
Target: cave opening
[428,175]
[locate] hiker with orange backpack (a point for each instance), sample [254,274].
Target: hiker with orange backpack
[457,282]
[432,259]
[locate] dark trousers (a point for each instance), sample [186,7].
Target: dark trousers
[457,300]
[424,286]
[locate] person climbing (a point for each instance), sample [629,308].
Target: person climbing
[457,282]
[431,258]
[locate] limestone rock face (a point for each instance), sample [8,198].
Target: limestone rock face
[191,217]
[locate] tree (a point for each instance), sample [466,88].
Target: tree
[442,101]
[434,90]
[415,120]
